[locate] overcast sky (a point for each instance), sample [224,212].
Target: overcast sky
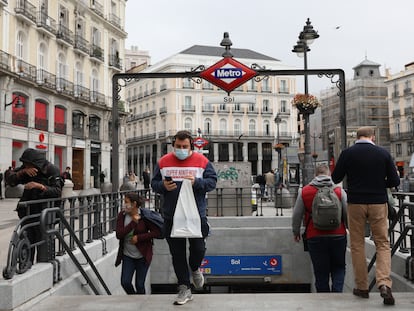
[350,30]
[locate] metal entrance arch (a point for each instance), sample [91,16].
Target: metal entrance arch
[332,74]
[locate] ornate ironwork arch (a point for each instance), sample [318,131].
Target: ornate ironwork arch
[337,77]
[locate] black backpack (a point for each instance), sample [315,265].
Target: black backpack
[155,218]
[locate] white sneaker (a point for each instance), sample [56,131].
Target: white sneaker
[198,279]
[184,295]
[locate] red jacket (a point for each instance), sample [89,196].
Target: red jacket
[308,193]
[145,230]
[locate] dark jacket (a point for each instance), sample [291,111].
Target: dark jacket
[145,230]
[47,175]
[369,170]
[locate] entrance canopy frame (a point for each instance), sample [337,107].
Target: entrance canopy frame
[120,80]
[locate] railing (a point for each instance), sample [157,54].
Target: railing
[402,228]
[81,219]
[92,217]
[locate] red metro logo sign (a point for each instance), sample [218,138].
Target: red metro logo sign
[228,74]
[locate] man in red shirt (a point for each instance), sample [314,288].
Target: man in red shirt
[326,247]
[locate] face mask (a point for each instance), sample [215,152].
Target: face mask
[181,154]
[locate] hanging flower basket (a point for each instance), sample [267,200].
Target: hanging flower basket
[305,103]
[278,147]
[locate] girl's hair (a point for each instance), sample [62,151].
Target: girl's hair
[134,197]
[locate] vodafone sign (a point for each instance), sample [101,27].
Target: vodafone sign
[228,74]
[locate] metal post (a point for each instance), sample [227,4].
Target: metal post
[115,136]
[307,171]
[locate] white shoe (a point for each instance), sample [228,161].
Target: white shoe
[198,279]
[184,295]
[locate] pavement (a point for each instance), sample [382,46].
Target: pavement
[224,302]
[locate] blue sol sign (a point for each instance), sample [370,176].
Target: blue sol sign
[242,265]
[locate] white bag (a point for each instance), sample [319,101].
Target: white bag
[186,221]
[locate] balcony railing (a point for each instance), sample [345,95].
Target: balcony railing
[81,92]
[207,108]
[46,22]
[60,128]
[20,119]
[94,133]
[96,52]
[78,132]
[114,20]
[81,43]
[115,61]
[5,60]
[97,98]
[65,34]
[26,70]
[188,108]
[163,110]
[41,124]
[64,86]
[26,9]
[97,8]
[46,79]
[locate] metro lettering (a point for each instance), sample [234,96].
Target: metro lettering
[223,73]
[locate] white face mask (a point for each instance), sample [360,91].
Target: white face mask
[181,154]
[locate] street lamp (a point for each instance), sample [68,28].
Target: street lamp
[278,146]
[306,37]
[314,154]
[16,101]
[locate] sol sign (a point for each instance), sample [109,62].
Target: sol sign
[228,74]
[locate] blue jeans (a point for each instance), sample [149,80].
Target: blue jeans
[129,266]
[328,259]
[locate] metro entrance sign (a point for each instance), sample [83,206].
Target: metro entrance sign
[200,142]
[228,74]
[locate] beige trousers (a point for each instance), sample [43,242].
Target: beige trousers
[376,215]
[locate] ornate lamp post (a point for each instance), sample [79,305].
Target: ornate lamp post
[278,146]
[314,153]
[306,37]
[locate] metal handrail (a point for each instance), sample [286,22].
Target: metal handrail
[404,228]
[52,231]
[90,217]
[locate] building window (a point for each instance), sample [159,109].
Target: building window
[410,148]
[265,107]
[237,127]
[187,102]
[283,107]
[223,152]
[207,126]
[94,123]
[398,150]
[252,128]
[223,126]
[266,128]
[188,124]
[283,87]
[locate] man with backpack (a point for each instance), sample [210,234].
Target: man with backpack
[322,209]
[369,170]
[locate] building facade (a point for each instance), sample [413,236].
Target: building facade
[136,58]
[401,115]
[238,127]
[56,63]
[366,104]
